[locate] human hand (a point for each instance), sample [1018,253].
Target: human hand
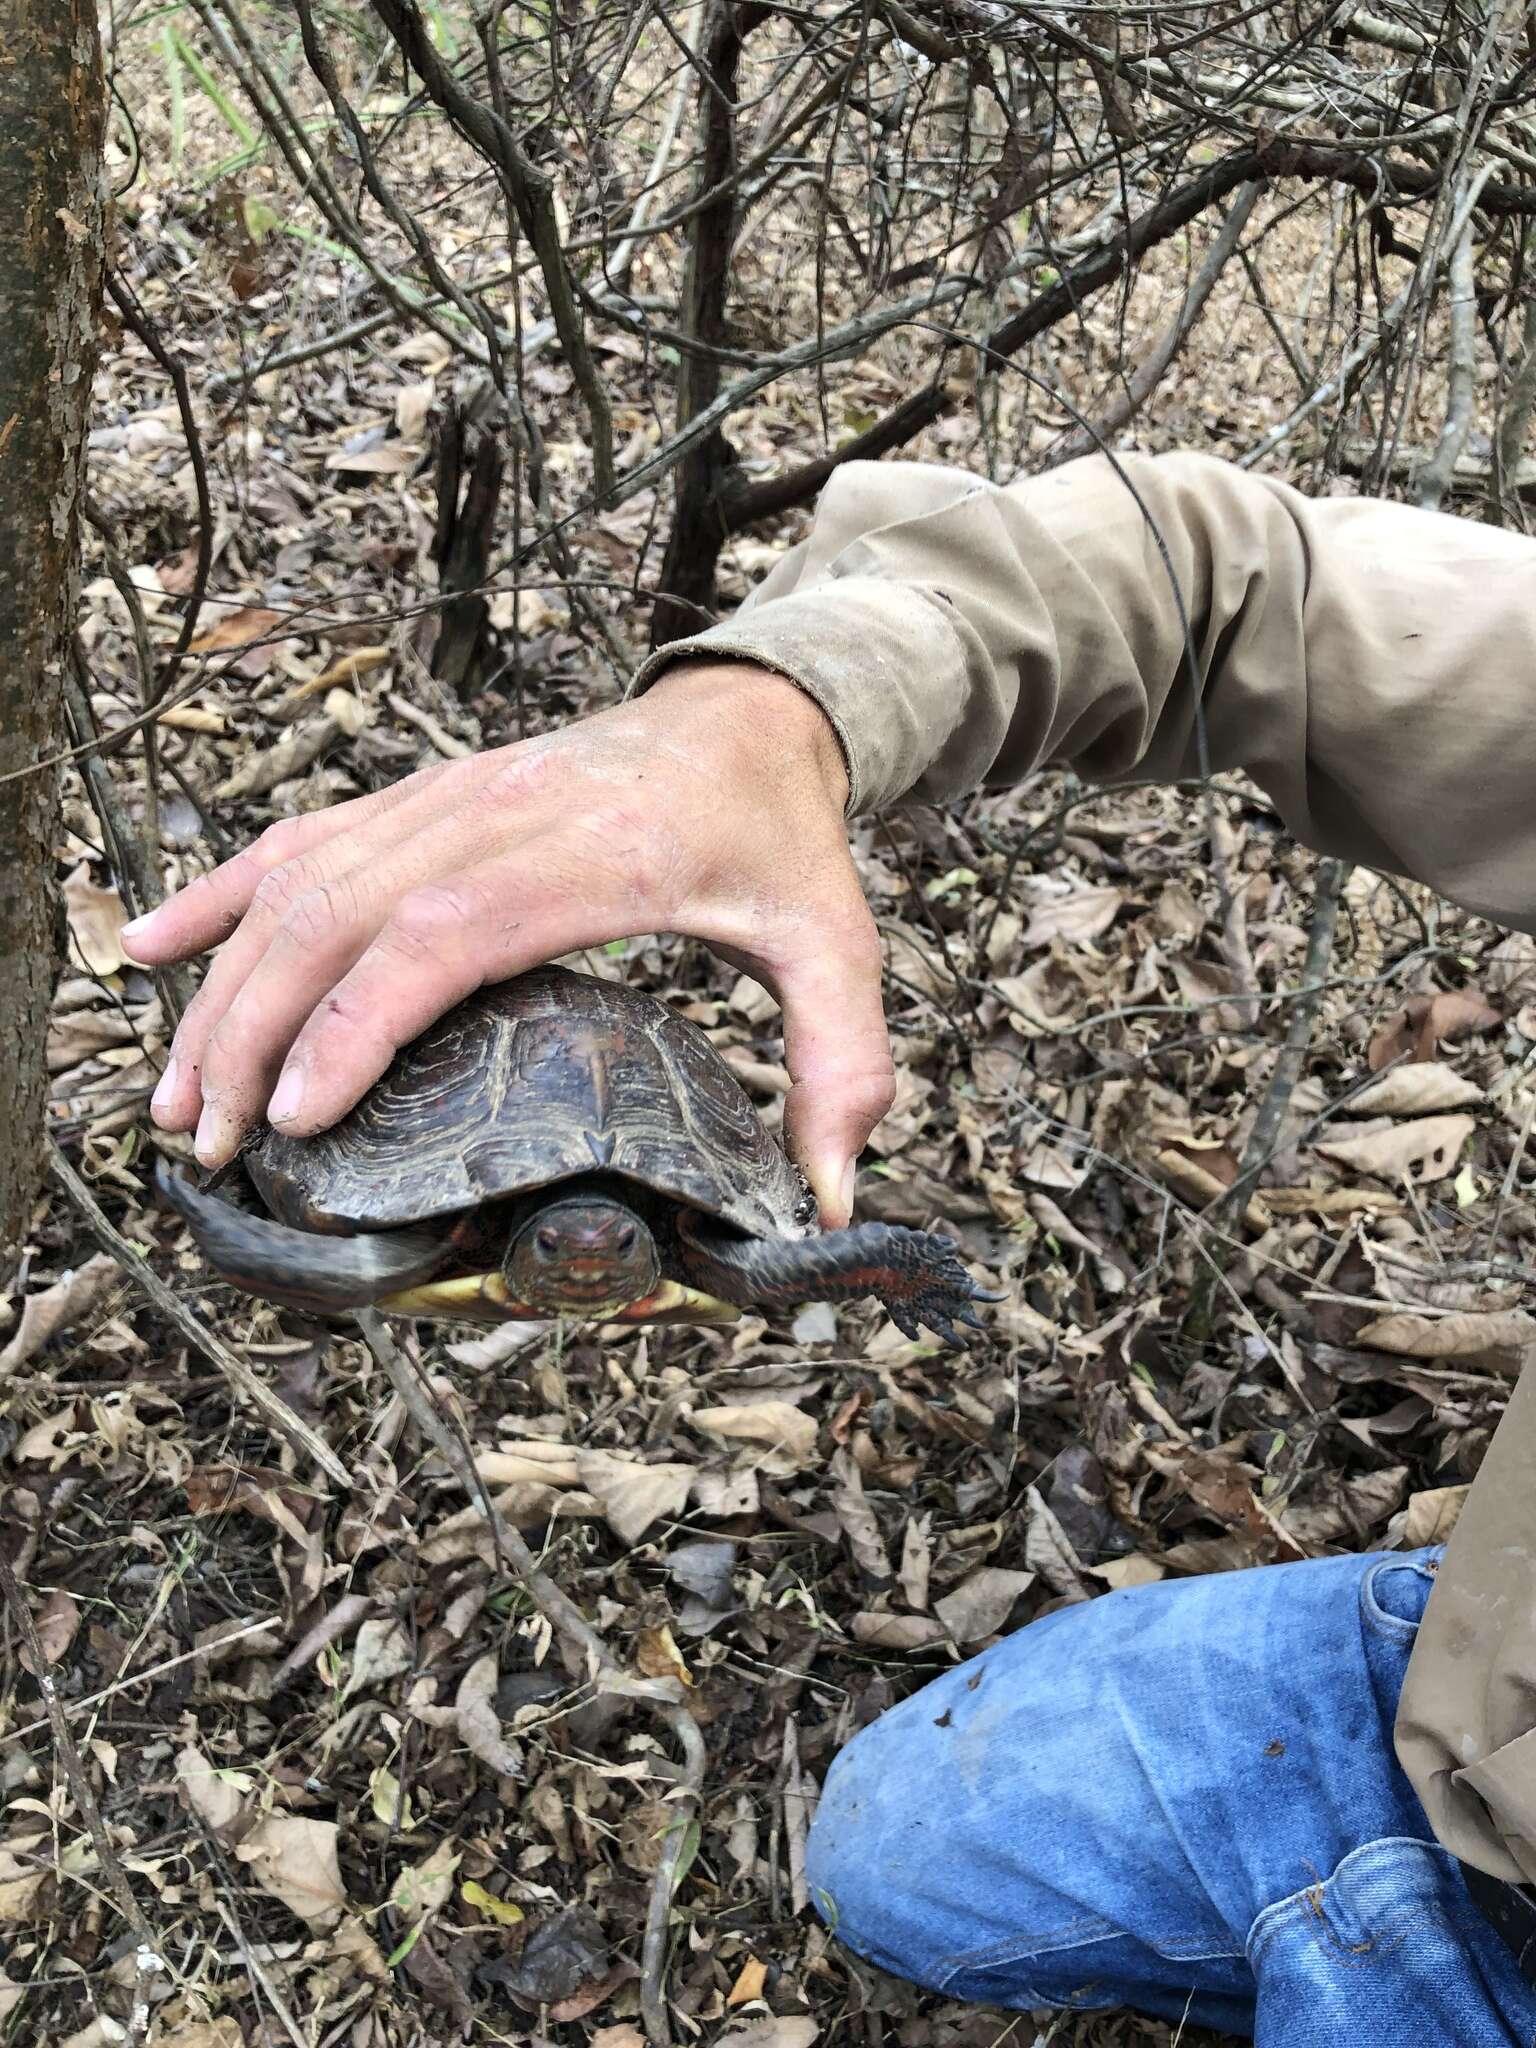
[711,806]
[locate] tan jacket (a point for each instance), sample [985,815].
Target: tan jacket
[1372,667]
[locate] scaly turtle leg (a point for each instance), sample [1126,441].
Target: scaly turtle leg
[303,1269]
[915,1273]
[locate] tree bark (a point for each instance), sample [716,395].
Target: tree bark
[687,592]
[51,240]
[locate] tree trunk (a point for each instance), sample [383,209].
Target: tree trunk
[683,604]
[51,220]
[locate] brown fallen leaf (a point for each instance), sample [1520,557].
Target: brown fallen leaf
[21,1880]
[749,1984]
[898,1631]
[58,1621]
[1425,1150]
[1467,1333]
[1415,1091]
[787,1432]
[634,1496]
[1430,1516]
[67,1301]
[265,767]
[238,628]
[657,1655]
[592,1995]
[1083,916]
[1426,1021]
[981,1604]
[294,1860]
[1134,1570]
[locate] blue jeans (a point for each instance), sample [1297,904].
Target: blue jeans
[1181,1798]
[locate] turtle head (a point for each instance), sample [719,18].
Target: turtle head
[580,1254]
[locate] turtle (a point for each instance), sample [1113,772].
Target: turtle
[559,1145]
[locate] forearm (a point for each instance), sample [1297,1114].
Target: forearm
[1373,668]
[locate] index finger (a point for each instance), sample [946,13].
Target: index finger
[206,911]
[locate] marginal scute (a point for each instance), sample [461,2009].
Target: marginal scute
[522,1086]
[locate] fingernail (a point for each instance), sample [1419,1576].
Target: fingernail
[217,1136]
[845,1191]
[287,1096]
[160,1101]
[137,927]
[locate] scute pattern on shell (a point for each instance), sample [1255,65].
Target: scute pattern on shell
[545,1077]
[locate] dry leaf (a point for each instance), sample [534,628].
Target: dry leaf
[1430,1516]
[21,1881]
[657,1655]
[265,767]
[235,629]
[1425,1150]
[66,1301]
[624,2036]
[294,1859]
[96,920]
[382,1651]
[982,1603]
[632,1496]
[790,2031]
[779,1425]
[897,1631]
[1084,915]
[1414,1091]
[857,1520]
[1134,1570]
[58,1621]
[1468,1333]
[749,1984]
[1425,1021]
[219,1798]
[427,1886]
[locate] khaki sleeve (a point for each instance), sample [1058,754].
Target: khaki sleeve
[1372,667]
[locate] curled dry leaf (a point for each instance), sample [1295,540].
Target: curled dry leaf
[1468,1333]
[1426,1150]
[265,767]
[382,1651]
[21,1881]
[857,1520]
[898,1631]
[789,2030]
[426,1887]
[67,1301]
[1415,1091]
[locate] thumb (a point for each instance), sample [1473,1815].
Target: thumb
[839,1058]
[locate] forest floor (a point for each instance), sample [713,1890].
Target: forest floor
[339,1760]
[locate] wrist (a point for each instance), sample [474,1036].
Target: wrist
[764,706]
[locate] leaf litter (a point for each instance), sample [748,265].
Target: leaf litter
[353,1772]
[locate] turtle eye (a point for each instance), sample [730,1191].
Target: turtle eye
[548,1240]
[626,1238]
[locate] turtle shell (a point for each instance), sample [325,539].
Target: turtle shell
[531,1083]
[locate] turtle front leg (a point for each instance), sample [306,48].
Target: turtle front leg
[915,1273]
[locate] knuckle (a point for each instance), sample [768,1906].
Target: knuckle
[280,888]
[278,844]
[317,916]
[523,774]
[429,917]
